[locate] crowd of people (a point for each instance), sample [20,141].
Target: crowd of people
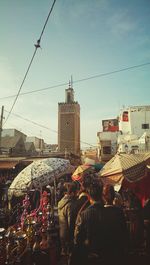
[97,225]
[100,226]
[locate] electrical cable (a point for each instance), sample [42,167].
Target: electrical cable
[21,85]
[76,81]
[37,45]
[45,127]
[82,80]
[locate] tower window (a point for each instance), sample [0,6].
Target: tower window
[145,126]
[107,150]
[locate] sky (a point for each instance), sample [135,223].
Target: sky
[82,39]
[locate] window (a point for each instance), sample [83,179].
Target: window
[134,149]
[106,150]
[145,126]
[125,116]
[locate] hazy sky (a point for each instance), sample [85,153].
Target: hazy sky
[83,38]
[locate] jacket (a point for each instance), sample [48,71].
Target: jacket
[67,216]
[101,231]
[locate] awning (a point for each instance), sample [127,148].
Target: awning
[8,164]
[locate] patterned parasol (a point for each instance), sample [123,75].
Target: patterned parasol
[38,174]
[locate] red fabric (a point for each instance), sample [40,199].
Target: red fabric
[113,128]
[141,188]
[77,178]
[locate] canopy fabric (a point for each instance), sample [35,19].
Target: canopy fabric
[114,180]
[80,172]
[131,166]
[141,188]
[38,174]
[8,164]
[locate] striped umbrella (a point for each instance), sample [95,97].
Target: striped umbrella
[131,167]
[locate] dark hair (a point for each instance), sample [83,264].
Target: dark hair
[95,191]
[72,187]
[108,193]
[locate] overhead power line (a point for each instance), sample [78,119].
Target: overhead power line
[112,72]
[82,80]
[37,90]
[45,127]
[37,45]
[33,122]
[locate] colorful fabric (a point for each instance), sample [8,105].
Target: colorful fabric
[80,171]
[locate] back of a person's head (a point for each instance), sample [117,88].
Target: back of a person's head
[108,193]
[84,185]
[94,190]
[72,188]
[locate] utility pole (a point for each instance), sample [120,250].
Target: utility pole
[1,125]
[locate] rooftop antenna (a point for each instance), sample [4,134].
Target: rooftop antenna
[69,84]
[71,81]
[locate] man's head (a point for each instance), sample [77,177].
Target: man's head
[94,191]
[108,194]
[72,189]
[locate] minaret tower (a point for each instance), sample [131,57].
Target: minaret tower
[69,123]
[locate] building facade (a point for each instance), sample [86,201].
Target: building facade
[13,145]
[13,133]
[135,120]
[134,125]
[38,143]
[107,145]
[69,124]
[130,133]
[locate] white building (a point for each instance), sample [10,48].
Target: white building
[107,142]
[134,125]
[131,135]
[38,143]
[13,133]
[135,120]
